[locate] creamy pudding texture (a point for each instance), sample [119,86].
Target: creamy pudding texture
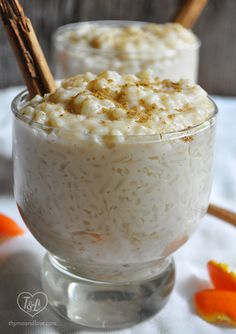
[114,104]
[170,50]
[100,180]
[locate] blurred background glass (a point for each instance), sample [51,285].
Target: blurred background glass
[216,29]
[70,58]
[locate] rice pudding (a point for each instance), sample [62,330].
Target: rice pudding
[169,49]
[113,172]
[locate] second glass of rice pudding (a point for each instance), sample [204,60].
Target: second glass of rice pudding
[169,50]
[112,175]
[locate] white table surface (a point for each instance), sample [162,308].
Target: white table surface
[20,258]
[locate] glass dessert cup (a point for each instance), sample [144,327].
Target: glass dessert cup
[110,210]
[70,60]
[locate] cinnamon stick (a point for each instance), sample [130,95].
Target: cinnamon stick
[31,60]
[226,215]
[189,13]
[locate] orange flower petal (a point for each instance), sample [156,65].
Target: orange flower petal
[216,306]
[8,228]
[221,276]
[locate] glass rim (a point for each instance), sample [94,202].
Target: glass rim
[22,97]
[60,44]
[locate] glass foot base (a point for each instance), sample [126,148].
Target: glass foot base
[102,304]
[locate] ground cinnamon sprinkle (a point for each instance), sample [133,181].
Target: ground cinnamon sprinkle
[142,113]
[132,104]
[187,139]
